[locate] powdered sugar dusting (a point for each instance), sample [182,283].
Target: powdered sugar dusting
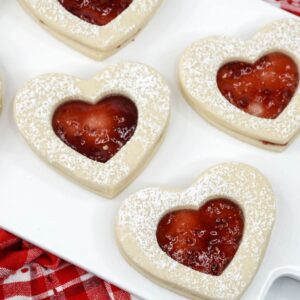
[37,100]
[202,60]
[141,212]
[103,38]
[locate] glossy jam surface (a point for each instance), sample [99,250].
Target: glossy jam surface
[99,130]
[98,12]
[206,239]
[262,89]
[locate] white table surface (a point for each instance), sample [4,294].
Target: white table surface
[47,209]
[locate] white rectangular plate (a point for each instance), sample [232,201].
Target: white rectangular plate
[42,206]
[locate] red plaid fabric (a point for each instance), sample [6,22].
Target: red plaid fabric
[292,6]
[28,272]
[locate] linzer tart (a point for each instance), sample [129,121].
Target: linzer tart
[96,28]
[205,242]
[247,88]
[101,131]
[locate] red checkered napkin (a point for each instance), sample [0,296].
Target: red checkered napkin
[28,272]
[292,6]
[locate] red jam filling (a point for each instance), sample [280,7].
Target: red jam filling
[274,144]
[97,131]
[262,89]
[98,12]
[205,240]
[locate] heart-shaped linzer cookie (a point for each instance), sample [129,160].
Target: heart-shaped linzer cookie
[205,242]
[247,88]
[206,239]
[102,144]
[96,28]
[99,130]
[262,89]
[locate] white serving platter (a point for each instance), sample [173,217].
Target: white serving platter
[47,209]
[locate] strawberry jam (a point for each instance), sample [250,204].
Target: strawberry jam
[205,240]
[98,12]
[99,130]
[262,89]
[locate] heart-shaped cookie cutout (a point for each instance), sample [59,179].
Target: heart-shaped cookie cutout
[247,88]
[95,11]
[99,130]
[206,239]
[96,29]
[262,89]
[242,188]
[47,119]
